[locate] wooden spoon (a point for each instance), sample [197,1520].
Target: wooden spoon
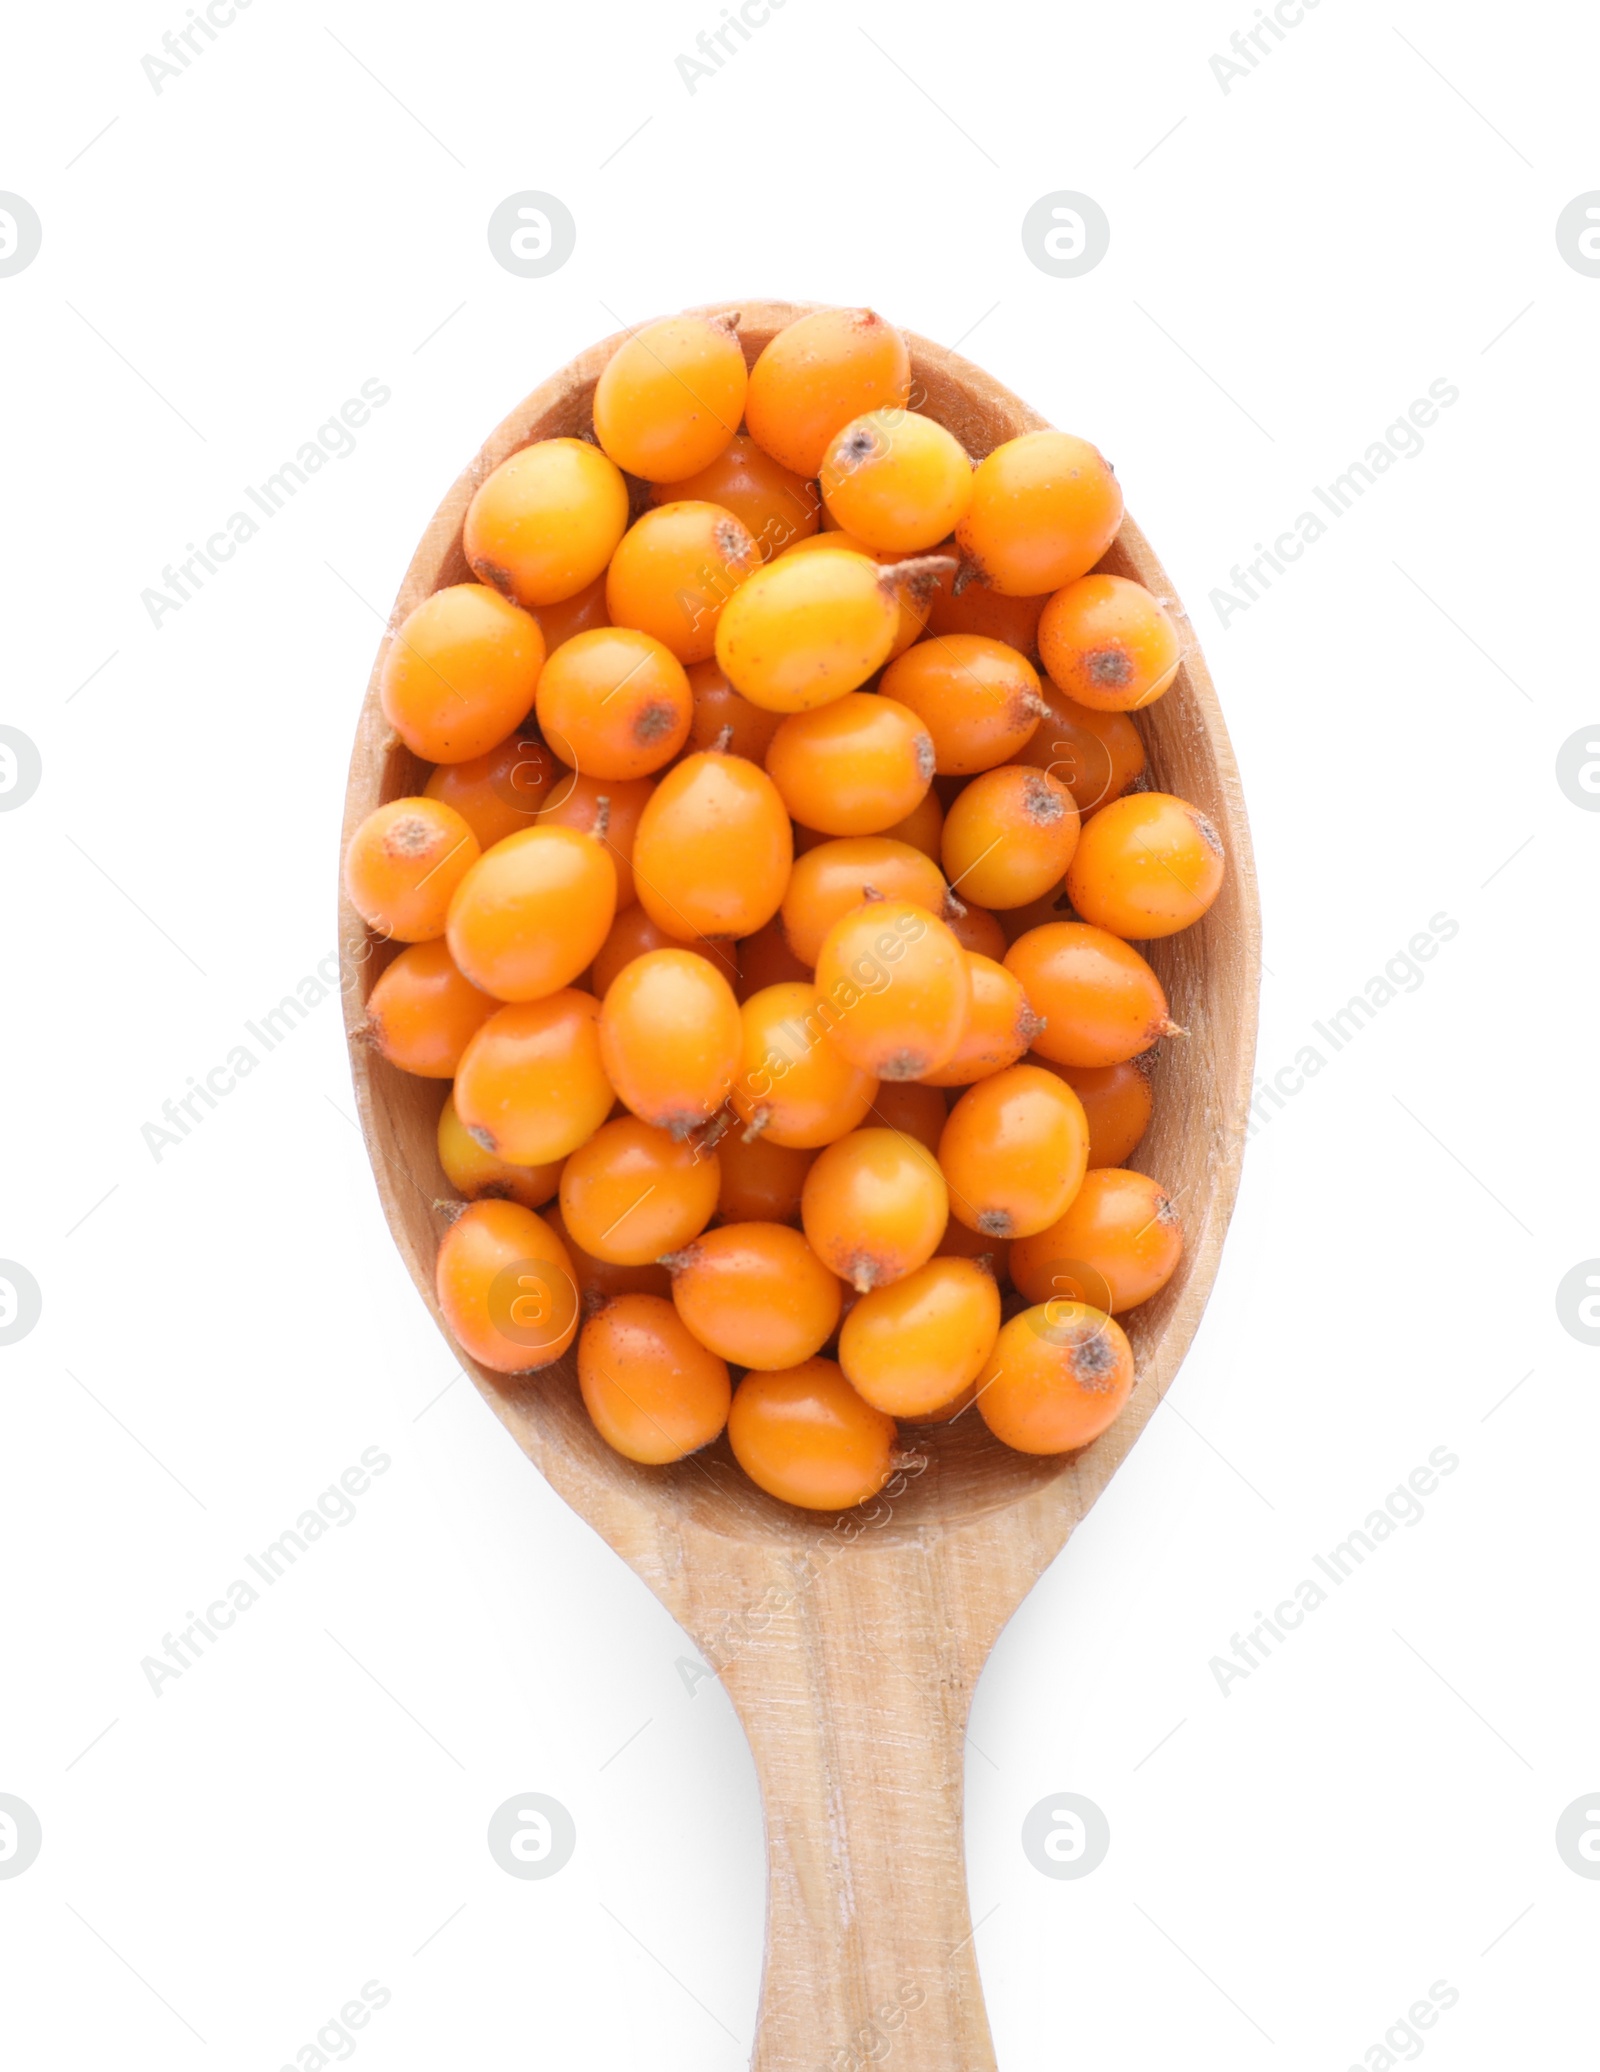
[850,1646]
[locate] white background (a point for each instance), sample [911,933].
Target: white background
[225,1330]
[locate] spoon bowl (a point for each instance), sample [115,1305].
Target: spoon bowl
[851,1645]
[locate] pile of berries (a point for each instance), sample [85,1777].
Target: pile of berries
[771,747]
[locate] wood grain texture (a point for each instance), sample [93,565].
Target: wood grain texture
[851,1646]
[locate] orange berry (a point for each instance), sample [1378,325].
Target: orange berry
[599,1279]
[765,959]
[723,717]
[1014,1152]
[756,1293]
[633,933]
[761,1180]
[1147,866]
[806,628]
[807,1438]
[921,829]
[978,698]
[852,767]
[914,1107]
[793,1087]
[605,808]
[1000,1026]
[403,864]
[531,1087]
[499,793]
[1044,508]
[477,1175]
[894,987]
[833,879]
[914,1348]
[817,374]
[670,397]
[874,1207]
[675,570]
[505,1286]
[653,1390]
[1100,1000]
[714,848]
[912,598]
[614,703]
[460,672]
[632,1192]
[529,916]
[1009,836]
[544,524]
[1057,1378]
[422,1013]
[670,1039]
[1109,644]
[1116,1246]
[1116,1099]
[897,480]
[1097,755]
[774,505]
[975,608]
[580,613]
[975,928]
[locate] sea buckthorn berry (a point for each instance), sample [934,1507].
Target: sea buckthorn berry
[1057,1378]
[542,527]
[761,1180]
[477,1175]
[670,1040]
[912,600]
[874,1207]
[581,613]
[1014,1152]
[1097,755]
[835,877]
[975,928]
[724,717]
[714,848]
[1000,1026]
[756,1293]
[614,703]
[806,628]
[529,916]
[1044,508]
[962,603]
[422,1013]
[774,504]
[506,1288]
[792,1086]
[1120,1241]
[1009,836]
[853,767]
[978,698]
[819,372]
[993,1253]
[675,570]
[806,1437]
[1117,1100]
[914,1348]
[1100,1000]
[632,1192]
[1147,866]
[498,794]
[671,396]
[894,984]
[922,828]
[914,1107]
[765,959]
[655,1393]
[1109,644]
[605,808]
[897,480]
[460,672]
[403,864]
[633,933]
[599,1279]
[531,1087]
